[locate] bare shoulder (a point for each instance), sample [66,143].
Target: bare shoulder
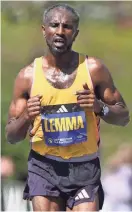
[26,73]
[98,70]
[95,62]
[23,81]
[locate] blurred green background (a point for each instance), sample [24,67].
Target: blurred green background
[105,32]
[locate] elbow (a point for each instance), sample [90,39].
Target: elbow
[12,137]
[13,140]
[125,120]
[8,135]
[10,140]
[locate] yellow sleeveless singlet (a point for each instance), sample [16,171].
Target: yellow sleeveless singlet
[66,133]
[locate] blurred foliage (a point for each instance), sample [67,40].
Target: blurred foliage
[99,36]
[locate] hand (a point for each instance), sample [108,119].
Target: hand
[33,107]
[87,99]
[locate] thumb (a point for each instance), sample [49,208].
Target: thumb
[85,86]
[35,127]
[40,96]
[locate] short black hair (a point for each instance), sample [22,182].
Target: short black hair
[63,6]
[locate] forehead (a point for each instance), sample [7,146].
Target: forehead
[60,15]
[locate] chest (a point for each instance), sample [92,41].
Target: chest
[60,78]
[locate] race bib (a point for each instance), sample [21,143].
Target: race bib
[63,125]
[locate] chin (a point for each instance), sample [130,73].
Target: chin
[57,51]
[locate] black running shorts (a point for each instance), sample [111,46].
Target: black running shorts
[75,182]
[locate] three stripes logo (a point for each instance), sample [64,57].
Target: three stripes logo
[62,109]
[82,195]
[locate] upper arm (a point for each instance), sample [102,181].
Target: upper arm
[104,84]
[22,86]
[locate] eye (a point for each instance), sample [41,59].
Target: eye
[67,26]
[54,25]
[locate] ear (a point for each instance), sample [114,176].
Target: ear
[43,30]
[75,34]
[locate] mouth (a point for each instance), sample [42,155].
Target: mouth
[59,42]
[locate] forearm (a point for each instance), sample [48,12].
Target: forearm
[16,129]
[118,115]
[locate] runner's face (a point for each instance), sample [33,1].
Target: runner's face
[60,31]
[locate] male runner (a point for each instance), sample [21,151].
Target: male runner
[62,96]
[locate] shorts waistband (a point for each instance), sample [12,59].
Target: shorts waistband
[60,159]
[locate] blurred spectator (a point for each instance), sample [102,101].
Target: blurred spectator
[11,190]
[7,167]
[117,182]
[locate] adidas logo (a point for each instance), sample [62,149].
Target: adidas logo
[83,194]
[62,109]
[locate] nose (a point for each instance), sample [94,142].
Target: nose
[60,30]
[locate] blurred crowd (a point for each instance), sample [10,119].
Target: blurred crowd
[116,180]
[12,190]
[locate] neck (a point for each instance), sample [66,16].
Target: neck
[60,60]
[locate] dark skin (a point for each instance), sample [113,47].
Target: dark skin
[59,61]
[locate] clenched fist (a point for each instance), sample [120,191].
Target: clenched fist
[34,106]
[87,99]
